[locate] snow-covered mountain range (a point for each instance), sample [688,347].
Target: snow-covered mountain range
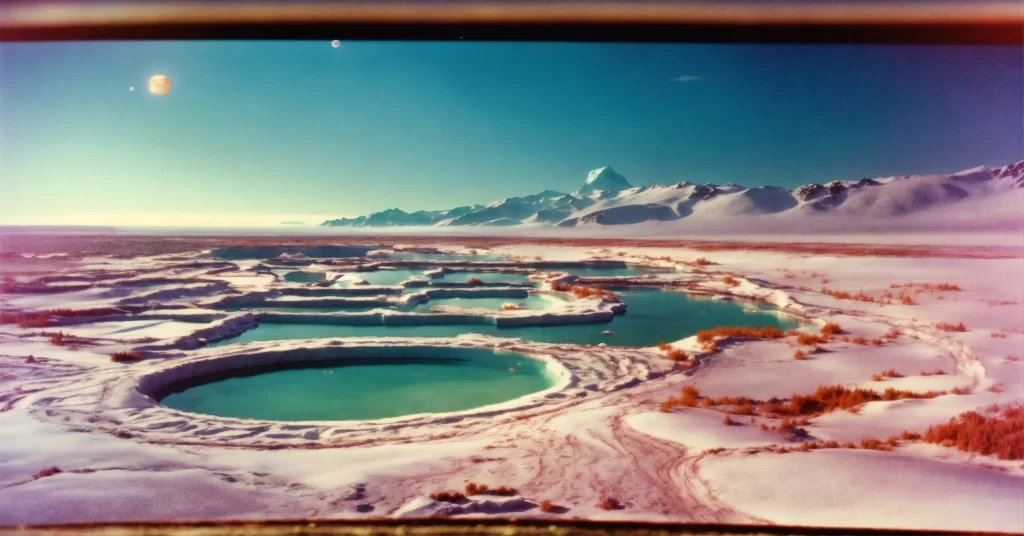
[607,198]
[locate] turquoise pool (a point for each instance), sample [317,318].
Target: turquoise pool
[426,257]
[486,277]
[304,277]
[427,380]
[652,316]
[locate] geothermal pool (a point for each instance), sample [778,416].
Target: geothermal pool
[652,316]
[533,301]
[367,387]
[304,277]
[429,257]
[486,277]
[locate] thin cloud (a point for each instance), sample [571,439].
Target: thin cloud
[688,78]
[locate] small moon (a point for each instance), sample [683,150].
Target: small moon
[159,85]
[131,88]
[335,43]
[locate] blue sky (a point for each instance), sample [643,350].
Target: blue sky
[304,130]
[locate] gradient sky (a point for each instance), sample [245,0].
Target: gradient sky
[301,130]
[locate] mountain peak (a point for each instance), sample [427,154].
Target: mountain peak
[604,178]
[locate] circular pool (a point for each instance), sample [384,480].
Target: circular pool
[373,383]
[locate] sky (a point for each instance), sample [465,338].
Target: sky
[263,132]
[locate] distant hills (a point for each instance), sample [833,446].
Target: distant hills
[607,198]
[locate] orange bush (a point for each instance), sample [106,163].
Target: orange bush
[730,280]
[936,372]
[701,261]
[830,329]
[609,503]
[767,332]
[831,398]
[475,489]
[843,295]
[860,340]
[960,390]
[907,435]
[57,339]
[946,326]
[874,444]
[799,355]
[728,421]
[1001,435]
[511,307]
[581,292]
[810,338]
[474,281]
[125,357]
[448,496]
[548,507]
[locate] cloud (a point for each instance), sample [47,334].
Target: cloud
[688,78]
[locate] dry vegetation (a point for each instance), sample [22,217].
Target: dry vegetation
[25,320]
[609,503]
[890,373]
[479,489]
[548,507]
[126,357]
[731,281]
[673,354]
[580,291]
[49,471]
[474,281]
[1001,435]
[511,307]
[703,261]
[946,326]
[936,372]
[448,496]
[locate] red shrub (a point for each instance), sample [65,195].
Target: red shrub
[1001,435]
[609,503]
[125,357]
[961,390]
[37,320]
[49,471]
[936,372]
[946,326]
[548,507]
[860,340]
[511,307]
[701,261]
[728,421]
[730,280]
[799,355]
[57,339]
[474,281]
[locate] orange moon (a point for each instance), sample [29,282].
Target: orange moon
[159,85]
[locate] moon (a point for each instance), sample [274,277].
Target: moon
[159,85]
[335,43]
[131,88]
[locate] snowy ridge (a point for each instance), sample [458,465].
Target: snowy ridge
[607,198]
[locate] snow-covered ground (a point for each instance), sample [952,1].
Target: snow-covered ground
[597,434]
